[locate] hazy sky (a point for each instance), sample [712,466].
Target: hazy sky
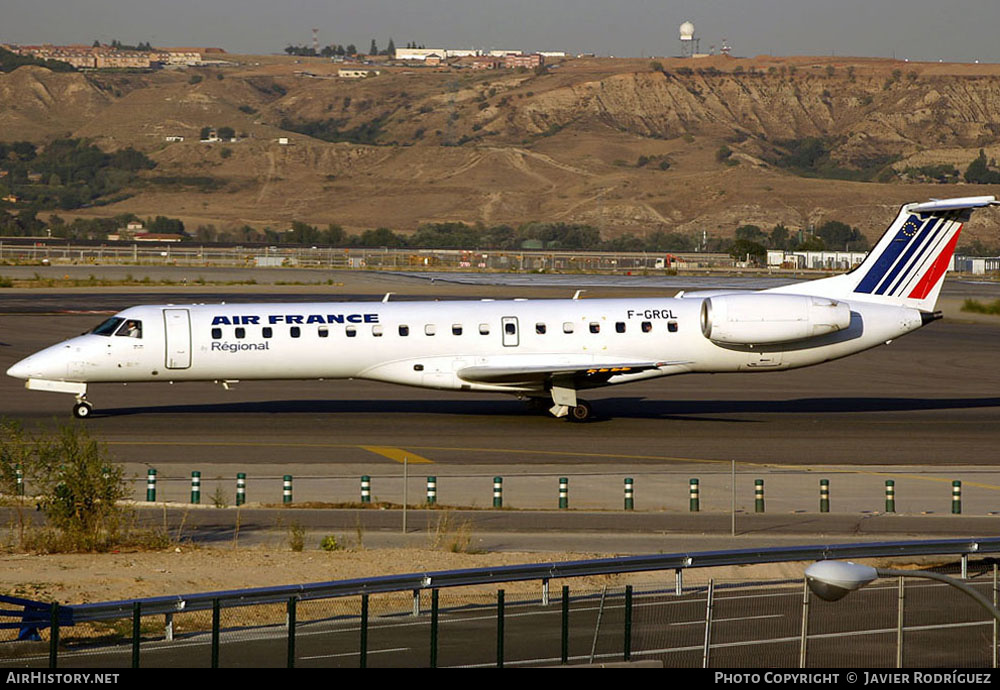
[959,30]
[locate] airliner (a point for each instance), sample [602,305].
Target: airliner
[545,352]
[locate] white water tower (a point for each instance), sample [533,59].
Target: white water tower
[689,44]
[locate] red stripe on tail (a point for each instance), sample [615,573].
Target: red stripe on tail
[936,270]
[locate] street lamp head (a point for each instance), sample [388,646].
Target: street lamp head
[832,580]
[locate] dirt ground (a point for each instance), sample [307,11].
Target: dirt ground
[85,578]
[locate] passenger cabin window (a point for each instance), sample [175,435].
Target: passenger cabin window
[216,333]
[595,327]
[241,332]
[107,327]
[647,326]
[456,329]
[484,329]
[404,330]
[672,326]
[619,327]
[323,332]
[430,329]
[377,331]
[540,328]
[568,327]
[295,331]
[351,331]
[267,331]
[130,329]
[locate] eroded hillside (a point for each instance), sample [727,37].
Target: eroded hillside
[625,145]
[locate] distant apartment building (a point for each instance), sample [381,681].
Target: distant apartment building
[119,59]
[504,53]
[106,57]
[182,56]
[529,61]
[487,62]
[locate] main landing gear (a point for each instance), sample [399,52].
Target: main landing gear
[582,412]
[82,409]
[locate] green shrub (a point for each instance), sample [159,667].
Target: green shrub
[978,307]
[330,543]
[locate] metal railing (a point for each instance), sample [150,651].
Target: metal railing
[340,613]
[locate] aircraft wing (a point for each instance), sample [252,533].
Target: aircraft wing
[594,371]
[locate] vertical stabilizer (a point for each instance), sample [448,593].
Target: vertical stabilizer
[907,265]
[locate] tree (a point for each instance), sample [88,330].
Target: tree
[836,235]
[743,250]
[750,233]
[162,224]
[381,237]
[979,171]
[779,237]
[334,235]
[303,233]
[812,244]
[373,50]
[226,132]
[391,50]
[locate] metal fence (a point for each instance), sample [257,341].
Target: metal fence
[456,618]
[186,254]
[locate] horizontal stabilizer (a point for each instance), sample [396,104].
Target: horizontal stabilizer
[954,204]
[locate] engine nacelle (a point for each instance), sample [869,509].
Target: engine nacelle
[760,319]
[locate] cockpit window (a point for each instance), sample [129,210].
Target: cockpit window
[108,327]
[132,328]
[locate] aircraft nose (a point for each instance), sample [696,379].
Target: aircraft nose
[21,369]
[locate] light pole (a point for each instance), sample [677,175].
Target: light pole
[833,580]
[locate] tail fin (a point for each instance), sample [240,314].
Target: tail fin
[908,264]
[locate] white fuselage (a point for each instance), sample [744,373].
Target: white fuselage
[428,344]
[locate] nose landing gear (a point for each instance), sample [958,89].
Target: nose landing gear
[82,409]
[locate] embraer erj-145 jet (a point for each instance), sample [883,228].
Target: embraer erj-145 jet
[545,351]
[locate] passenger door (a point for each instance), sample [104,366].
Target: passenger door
[177,327]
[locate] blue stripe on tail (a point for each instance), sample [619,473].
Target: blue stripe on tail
[915,244]
[899,243]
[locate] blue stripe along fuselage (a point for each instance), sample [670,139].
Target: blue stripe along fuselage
[884,263]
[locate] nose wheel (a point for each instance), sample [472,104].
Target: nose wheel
[82,409]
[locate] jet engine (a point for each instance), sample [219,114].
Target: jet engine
[759,319]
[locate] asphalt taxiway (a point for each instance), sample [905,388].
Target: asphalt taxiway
[928,402]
